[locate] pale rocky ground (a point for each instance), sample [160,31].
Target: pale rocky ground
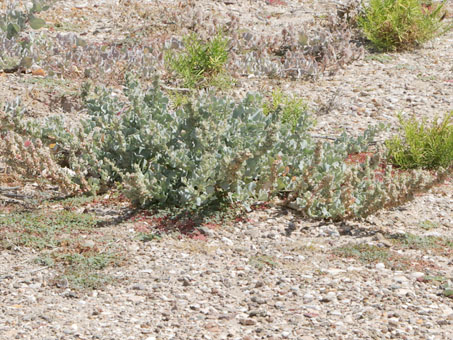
[274,276]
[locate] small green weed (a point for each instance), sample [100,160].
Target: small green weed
[393,25]
[364,252]
[16,20]
[43,230]
[448,292]
[368,253]
[292,108]
[150,236]
[201,63]
[423,242]
[415,242]
[428,225]
[61,238]
[421,146]
[437,278]
[382,58]
[86,279]
[261,261]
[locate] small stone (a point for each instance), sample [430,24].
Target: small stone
[416,275]
[393,322]
[329,297]
[380,265]
[138,287]
[247,322]
[279,305]
[308,298]
[400,279]
[335,271]
[259,284]
[227,241]
[258,300]
[206,231]
[88,244]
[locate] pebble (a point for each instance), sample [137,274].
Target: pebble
[247,322]
[203,289]
[380,265]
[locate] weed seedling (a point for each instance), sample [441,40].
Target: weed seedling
[201,63]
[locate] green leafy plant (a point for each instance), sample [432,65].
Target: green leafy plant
[393,25]
[291,108]
[201,62]
[421,146]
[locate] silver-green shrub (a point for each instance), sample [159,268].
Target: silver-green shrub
[206,153]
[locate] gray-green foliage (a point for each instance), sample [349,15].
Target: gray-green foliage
[201,154]
[214,151]
[14,20]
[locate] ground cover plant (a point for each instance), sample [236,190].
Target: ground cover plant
[146,137]
[208,153]
[63,241]
[196,161]
[401,24]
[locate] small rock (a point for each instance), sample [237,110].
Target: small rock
[227,241]
[256,312]
[258,300]
[329,297]
[394,322]
[259,284]
[380,265]
[88,244]
[247,322]
[279,305]
[416,275]
[308,298]
[206,231]
[400,279]
[138,287]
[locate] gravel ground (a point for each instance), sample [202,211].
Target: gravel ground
[274,274]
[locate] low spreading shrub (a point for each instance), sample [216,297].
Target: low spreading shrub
[393,25]
[206,153]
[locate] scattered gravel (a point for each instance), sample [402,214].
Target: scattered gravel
[275,275]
